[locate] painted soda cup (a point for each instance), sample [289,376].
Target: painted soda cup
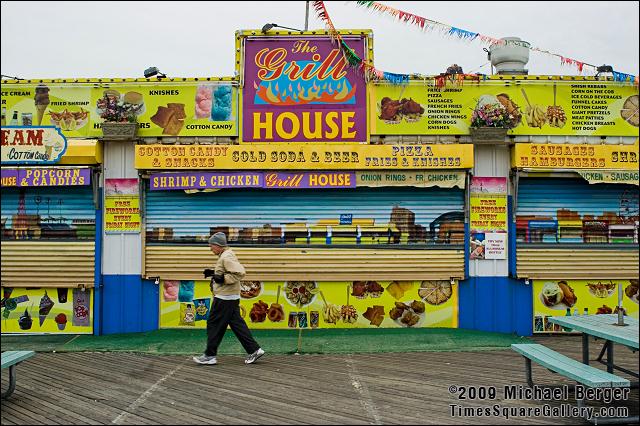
[302,319]
[293,319]
[314,318]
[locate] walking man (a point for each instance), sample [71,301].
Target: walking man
[225,285]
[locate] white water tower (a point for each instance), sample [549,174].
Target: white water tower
[510,57]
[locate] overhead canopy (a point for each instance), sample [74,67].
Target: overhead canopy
[82,151]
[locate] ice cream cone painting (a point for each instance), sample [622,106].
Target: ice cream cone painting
[41,109]
[45,307]
[42,101]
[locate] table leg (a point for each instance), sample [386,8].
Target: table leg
[585,348]
[609,356]
[12,382]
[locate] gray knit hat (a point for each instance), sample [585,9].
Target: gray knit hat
[218,239]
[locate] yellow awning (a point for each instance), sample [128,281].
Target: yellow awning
[82,151]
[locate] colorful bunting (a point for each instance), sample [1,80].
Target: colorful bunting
[351,57]
[429,24]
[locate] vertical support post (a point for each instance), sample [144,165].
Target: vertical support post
[299,340]
[12,382]
[306,17]
[527,362]
[609,356]
[585,348]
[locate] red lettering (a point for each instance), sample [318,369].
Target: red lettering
[270,61]
[34,137]
[274,62]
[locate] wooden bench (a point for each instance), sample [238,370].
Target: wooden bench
[10,359]
[567,367]
[575,370]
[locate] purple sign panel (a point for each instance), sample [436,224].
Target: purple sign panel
[164,181]
[42,176]
[267,180]
[301,89]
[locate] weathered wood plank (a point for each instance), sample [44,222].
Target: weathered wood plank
[387,388]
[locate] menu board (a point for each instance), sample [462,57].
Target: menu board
[192,108]
[530,107]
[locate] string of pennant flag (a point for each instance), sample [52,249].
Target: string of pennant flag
[372,73]
[426,24]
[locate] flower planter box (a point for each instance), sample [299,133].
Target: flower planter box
[119,131]
[488,135]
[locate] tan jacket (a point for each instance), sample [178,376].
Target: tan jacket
[233,271]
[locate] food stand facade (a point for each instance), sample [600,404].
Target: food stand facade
[333,229]
[50,220]
[345,197]
[577,228]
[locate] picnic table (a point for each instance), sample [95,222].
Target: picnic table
[603,327]
[10,359]
[599,326]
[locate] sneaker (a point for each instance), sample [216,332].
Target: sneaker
[205,359]
[251,358]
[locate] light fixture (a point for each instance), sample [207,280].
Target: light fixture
[526,281]
[267,27]
[453,282]
[151,71]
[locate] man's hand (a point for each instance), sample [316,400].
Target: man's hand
[219,279]
[208,272]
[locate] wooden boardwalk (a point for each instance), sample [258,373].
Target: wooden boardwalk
[391,388]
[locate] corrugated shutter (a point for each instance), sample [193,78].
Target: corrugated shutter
[48,213]
[47,264]
[274,264]
[575,264]
[48,237]
[284,219]
[555,212]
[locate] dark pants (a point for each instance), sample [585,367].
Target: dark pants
[223,313]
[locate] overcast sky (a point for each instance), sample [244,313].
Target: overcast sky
[57,39]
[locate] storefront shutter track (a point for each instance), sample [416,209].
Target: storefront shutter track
[564,230]
[178,225]
[48,237]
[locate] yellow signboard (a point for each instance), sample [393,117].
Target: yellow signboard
[569,156]
[279,305]
[580,297]
[47,310]
[528,107]
[488,212]
[191,108]
[121,206]
[488,218]
[300,156]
